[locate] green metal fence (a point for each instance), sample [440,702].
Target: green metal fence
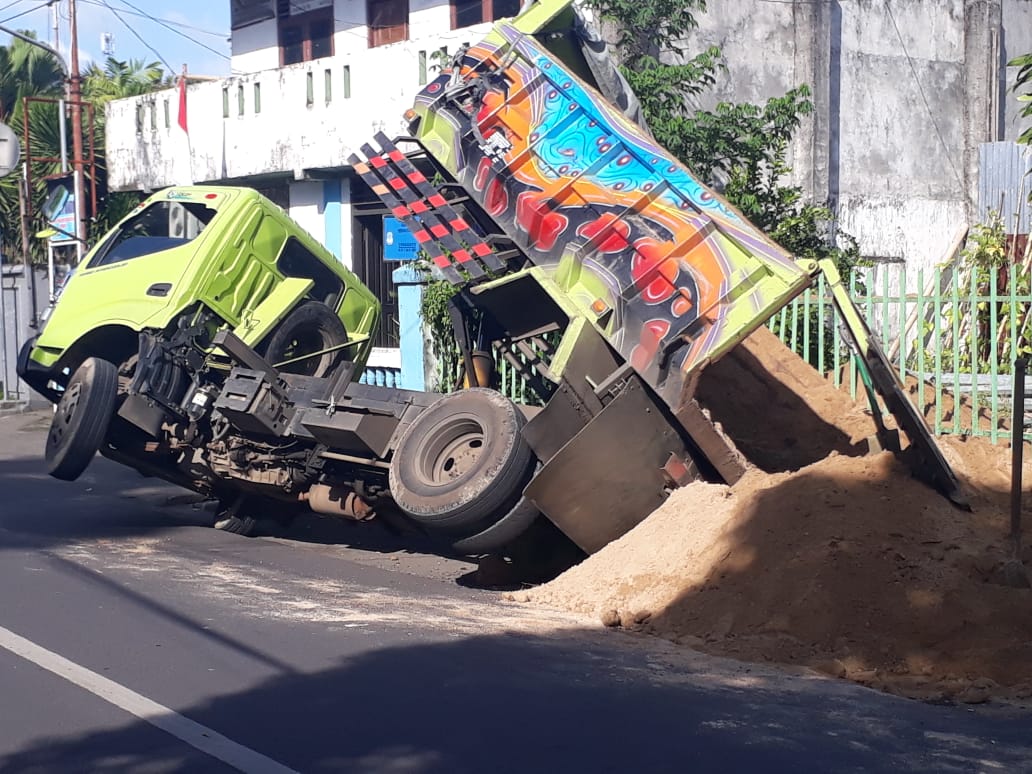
[956,332]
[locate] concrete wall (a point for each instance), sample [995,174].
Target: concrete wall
[255,47]
[1016,40]
[16,327]
[279,121]
[904,95]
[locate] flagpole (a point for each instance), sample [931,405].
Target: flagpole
[182,121]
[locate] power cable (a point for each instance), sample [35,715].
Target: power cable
[171,22]
[147,45]
[172,29]
[23,13]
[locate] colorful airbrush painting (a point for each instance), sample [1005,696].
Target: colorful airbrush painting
[669,271]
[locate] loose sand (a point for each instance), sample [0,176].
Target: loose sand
[822,555]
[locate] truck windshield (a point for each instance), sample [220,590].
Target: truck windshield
[162,226]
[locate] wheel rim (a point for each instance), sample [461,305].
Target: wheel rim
[299,345]
[452,452]
[64,416]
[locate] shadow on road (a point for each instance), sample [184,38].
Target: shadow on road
[111,500]
[519,703]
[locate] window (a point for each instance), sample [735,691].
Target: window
[296,260]
[161,226]
[245,12]
[388,21]
[306,36]
[468,12]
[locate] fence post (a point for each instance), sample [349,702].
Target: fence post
[1017,447]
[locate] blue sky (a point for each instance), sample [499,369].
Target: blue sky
[180,32]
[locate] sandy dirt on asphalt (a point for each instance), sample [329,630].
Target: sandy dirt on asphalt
[823,555]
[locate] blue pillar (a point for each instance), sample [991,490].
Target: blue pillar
[331,217]
[413,351]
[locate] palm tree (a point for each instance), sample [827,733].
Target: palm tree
[118,79]
[27,71]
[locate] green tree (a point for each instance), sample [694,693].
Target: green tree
[738,147]
[25,71]
[117,79]
[1024,81]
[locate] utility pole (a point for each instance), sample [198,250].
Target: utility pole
[74,98]
[54,26]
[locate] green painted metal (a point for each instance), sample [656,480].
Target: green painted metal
[940,344]
[937,349]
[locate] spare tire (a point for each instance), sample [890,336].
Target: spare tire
[81,418]
[463,463]
[310,327]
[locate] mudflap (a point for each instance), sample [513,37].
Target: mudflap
[612,473]
[923,456]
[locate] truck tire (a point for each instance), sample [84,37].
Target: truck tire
[81,418]
[502,532]
[310,327]
[463,463]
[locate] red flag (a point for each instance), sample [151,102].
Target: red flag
[182,103]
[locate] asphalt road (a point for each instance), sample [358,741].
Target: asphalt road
[135,638]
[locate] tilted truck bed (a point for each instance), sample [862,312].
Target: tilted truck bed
[669,271]
[584,225]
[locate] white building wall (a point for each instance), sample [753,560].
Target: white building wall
[254,48]
[306,207]
[904,95]
[282,120]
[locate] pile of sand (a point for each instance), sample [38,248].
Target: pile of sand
[847,565]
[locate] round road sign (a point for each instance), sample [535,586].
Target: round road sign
[10,150]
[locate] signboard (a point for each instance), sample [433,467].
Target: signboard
[64,220]
[398,242]
[10,150]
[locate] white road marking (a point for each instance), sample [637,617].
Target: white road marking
[194,734]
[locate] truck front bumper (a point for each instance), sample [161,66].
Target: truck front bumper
[34,374]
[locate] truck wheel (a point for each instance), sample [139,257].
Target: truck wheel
[310,327]
[502,532]
[81,418]
[463,463]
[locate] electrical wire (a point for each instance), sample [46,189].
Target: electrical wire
[23,13]
[13,2]
[159,20]
[172,29]
[147,45]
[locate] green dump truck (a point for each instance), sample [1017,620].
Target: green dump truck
[209,341]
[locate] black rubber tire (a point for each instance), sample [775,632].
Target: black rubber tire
[81,418]
[502,532]
[310,327]
[463,463]
[238,525]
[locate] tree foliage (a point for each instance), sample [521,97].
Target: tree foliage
[1024,82]
[740,148]
[29,71]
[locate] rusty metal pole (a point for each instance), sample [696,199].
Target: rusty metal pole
[75,99]
[1017,447]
